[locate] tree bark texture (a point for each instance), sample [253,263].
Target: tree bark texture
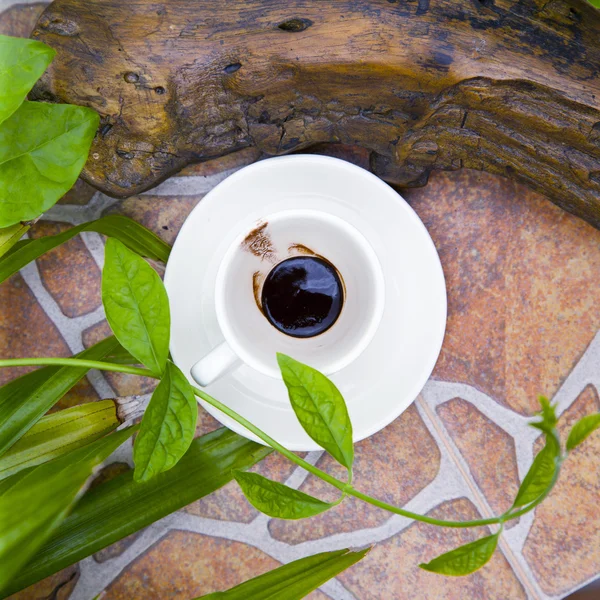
[510,87]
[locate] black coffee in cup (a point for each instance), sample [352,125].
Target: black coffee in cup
[302,296]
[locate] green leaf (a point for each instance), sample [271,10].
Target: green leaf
[26,399]
[43,148]
[277,500]
[595,3]
[538,477]
[136,304]
[132,234]
[120,356]
[320,408]
[115,509]
[60,433]
[168,426]
[541,473]
[9,236]
[41,499]
[547,414]
[295,580]
[582,429]
[465,559]
[22,63]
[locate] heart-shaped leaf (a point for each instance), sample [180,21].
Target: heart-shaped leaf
[43,148]
[320,408]
[464,559]
[277,500]
[582,429]
[137,306]
[22,63]
[168,426]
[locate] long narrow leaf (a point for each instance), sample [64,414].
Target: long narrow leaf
[40,500]
[120,507]
[293,581]
[59,433]
[9,238]
[135,236]
[26,399]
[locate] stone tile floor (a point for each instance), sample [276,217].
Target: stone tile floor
[524,319]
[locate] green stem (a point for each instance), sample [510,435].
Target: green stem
[340,485]
[344,487]
[76,362]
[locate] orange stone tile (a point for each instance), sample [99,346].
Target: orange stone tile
[390,571]
[26,331]
[56,587]
[488,450]
[69,272]
[123,383]
[162,214]
[186,565]
[563,546]
[393,465]
[20,19]
[522,285]
[80,194]
[229,504]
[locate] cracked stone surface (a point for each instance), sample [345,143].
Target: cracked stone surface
[524,319]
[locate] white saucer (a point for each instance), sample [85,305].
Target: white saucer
[383,381]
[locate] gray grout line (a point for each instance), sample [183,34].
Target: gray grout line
[584,373]
[439,392]
[95,245]
[77,214]
[480,501]
[4,4]
[94,577]
[193,185]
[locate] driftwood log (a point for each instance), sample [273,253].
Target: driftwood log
[505,86]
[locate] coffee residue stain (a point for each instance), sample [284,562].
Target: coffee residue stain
[257,281]
[258,242]
[300,249]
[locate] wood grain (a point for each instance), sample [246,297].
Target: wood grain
[509,87]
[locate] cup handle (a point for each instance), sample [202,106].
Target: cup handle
[214,365]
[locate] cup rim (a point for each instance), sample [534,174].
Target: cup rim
[374,318]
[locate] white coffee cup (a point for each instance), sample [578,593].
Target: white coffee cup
[250,338]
